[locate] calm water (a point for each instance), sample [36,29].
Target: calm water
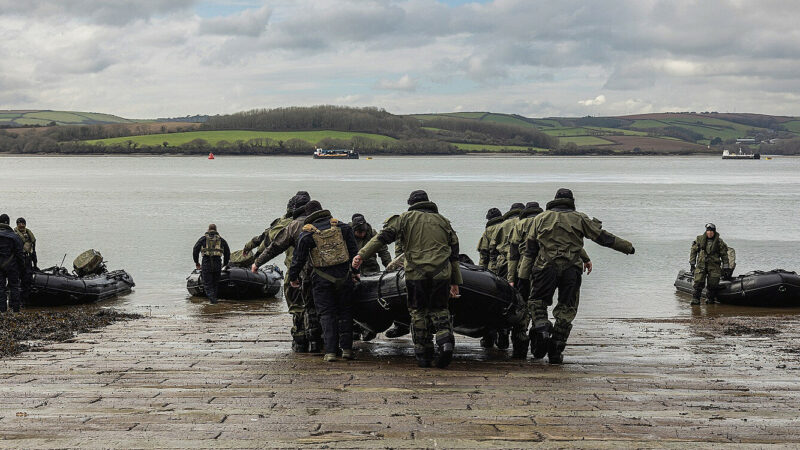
[144,214]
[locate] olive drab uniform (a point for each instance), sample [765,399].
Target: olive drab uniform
[498,243]
[305,321]
[30,261]
[11,265]
[709,257]
[329,246]
[554,247]
[431,266]
[483,244]
[371,265]
[216,255]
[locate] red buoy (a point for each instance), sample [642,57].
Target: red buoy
[211,156]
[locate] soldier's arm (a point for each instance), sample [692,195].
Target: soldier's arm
[723,249]
[513,262]
[281,243]
[593,229]
[255,242]
[300,255]
[585,256]
[196,249]
[455,269]
[226,253]
[387,235]
[693,253]
[34,257]
[386,257]
[494,241]
[19,255]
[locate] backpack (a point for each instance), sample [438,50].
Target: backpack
[331,249]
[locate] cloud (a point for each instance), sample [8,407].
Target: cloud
[597,101]
[116,12]
[404,83]
[250,22]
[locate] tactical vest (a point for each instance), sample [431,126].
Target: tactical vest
[27,240]
[331,249]
[213,245]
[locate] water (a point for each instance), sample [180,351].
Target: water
[145,213]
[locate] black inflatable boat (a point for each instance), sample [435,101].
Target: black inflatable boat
[56,286]
[239,283]
[768,289]
[487,302]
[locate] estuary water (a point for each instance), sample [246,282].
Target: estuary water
[144,214]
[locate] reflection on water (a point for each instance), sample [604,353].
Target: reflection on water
[145,213]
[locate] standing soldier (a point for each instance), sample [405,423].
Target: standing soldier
[516,246]
[216,255]
[554,248]
[330,247]
[306,331]
[498,251]
[263,240]
[29,253]
[709,261]
[11,265]
[432,274]
[494,218]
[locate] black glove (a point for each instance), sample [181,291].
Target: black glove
[691,268]
[633,250]
[727,274]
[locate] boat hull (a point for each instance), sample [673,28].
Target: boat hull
[55,286]
[776,288]
[238,283]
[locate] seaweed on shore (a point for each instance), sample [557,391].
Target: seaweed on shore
[17,329]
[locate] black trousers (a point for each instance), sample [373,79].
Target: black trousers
[9,286]
[210,271]
[544,284]
[334,304]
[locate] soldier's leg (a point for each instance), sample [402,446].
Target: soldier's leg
[26,280]
[440,319]
[420,327]
[294,301]
[311,320]
[12,275]
[699,284]
[543,287]
[209,286]
[3,291]
[344,306]
[519,335]
[713,286]
[325,300]
[216,274]
[569,285]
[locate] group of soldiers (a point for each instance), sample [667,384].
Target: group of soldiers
[538,251]
[17,263]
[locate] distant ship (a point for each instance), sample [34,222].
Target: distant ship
[335,154]
[741,155]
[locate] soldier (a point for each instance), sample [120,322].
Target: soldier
[498,251]
[330,246]
[494,218]
[262,240]
[432,273]
[554,248]
[31,260]
[708,260]
[216,255]
[306,331]
[363,232]
[12,263]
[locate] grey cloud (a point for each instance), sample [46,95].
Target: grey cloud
[250,22]
[116,12]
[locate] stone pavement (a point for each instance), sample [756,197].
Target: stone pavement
[230,380]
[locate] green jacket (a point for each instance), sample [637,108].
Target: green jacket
[709,254]
[430,243]
[28,240]
[371,265]
[483,244]
[498,241]
[516,242]
[557,237]
[283,241]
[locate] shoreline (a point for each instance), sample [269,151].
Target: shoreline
[469,154]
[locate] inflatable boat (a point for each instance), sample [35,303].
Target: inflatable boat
[239,283]
[56,286]
[487,302]
[768,289]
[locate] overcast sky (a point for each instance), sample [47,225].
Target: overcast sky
[157,58]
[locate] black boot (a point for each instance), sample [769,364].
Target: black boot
[487,341]
[696,296]
[425,359]
[502,339]
[540,340]
[445,353]
[397,330]
[520,349]
[315,347]
[299,346]
[555,352]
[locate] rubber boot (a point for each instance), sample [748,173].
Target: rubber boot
[696,297]
[520,348]
[502,339]
[348,355]
[445,353]
[299,346]
[555,352]
[213,301]
[425,359]
[315,347]
[487,341]
[367,335]
[397,330]
[540,340]
[330,357]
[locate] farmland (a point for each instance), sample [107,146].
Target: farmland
[45,117]
[232,136]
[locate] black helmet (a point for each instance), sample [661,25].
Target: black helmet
[417,197]
[532,205]
[21,220]
[4,219]
[517,206]
[711,227]
[359,222]
[564,193]
[301,198]
[492,213]
[312,207]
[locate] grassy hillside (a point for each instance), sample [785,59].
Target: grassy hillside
[21,118]
[214,137]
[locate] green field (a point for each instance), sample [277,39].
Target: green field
[793,126]
[496,148]
[213,137]
[44,117]
[584,140]
[568,131]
